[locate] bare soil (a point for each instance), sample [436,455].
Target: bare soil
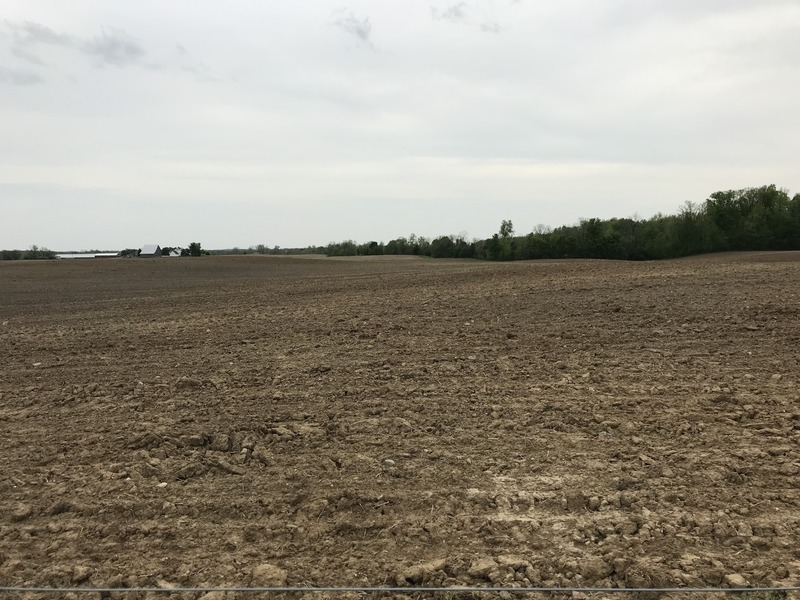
[232,421]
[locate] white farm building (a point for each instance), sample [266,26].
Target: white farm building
[82,255]
[150,251]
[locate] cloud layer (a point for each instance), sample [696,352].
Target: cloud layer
[287,124]
[111,46]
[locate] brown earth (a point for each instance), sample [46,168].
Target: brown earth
[232,421]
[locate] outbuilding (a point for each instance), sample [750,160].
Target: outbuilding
[150,251]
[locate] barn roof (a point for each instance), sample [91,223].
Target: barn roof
[150,249]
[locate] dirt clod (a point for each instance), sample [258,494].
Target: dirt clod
[483,568]
[21,512]
[422,573]
[735,580]
[81,574]
[221,442]
[594,569]
[268,575]
[187,382]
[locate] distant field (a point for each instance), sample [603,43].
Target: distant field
[400,421]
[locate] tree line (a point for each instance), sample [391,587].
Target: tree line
[266,250]
[33,253]
[763,218]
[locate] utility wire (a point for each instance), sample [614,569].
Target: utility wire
[405,590]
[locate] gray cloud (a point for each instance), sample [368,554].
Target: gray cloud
[490,27]
[19,77]
[114,47]
[30,32]
[453,14]
[24,54]
[359,28]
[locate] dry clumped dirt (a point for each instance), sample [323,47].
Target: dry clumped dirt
[232,421]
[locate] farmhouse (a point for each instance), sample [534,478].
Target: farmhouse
[150,251]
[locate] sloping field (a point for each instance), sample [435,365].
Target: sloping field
[400,422]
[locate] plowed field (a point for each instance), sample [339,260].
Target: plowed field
[233,421]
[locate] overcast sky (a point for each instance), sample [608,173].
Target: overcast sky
[295,123]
